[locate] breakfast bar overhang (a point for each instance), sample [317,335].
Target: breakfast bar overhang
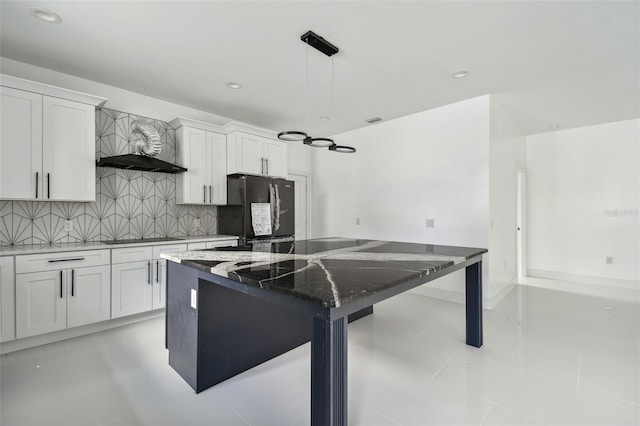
[230,309]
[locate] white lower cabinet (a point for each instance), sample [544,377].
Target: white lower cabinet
[139,279]
[201,245]
[57,297]
[7,299]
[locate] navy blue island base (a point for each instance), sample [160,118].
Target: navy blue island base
[230,309]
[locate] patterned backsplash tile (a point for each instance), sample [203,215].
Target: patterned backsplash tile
[129,203]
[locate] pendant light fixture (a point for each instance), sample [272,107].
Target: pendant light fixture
[319,43]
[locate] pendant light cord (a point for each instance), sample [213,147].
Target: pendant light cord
[308,92]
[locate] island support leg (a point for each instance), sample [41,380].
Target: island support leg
[329,372]
[473,293]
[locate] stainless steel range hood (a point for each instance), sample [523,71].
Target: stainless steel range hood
[139,162]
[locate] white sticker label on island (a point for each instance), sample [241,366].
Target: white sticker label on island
[194,298]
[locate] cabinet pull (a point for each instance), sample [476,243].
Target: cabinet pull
[37,175]
[66,260]
[204,193]
[149,273]
[210,194]
[266,160]
[262,165]
[61,285]
[157,271]
[73,281]
[48,185]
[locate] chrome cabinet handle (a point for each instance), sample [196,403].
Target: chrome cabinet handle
[210,193]
[204,193]
[149,273]
[73,281]
[266,160]
[37,175]
[61,296]
[48,185]
[157,271]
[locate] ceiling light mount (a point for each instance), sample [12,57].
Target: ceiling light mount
[319,43]
[460,74]
[234,85]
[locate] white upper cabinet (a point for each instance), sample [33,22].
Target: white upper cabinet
[204,154]
[256,155]
[47,145]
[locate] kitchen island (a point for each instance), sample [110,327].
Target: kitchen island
[230,309]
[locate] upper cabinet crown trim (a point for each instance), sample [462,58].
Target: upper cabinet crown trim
[53,91]
[232,126]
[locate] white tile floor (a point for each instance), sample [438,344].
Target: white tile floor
[549,357]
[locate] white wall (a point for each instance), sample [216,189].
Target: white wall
[583,197]
[507,157]
[433,164]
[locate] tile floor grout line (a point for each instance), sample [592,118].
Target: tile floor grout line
[579,370]
[521,413]
[445,363]
[484,417]
[375,411]
[233,409]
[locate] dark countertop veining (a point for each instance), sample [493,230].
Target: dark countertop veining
[329,271]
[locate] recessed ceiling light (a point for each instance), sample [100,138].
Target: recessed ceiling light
[460,74]
[325,118]
[234,85]
[45,15]
[373,120]
[554,126]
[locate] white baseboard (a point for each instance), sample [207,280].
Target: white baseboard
[70,333]
[488,302]
[585,279]
[596,290]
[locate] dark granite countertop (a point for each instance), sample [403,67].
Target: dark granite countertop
[329,271]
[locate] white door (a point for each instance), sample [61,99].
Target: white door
[131,288]
[217,154]
[521,253]
[300,205]
[276,155]
[68,149]
[88,295]
[20,145]
[250,151]
[41,304]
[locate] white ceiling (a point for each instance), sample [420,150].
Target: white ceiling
[573,63]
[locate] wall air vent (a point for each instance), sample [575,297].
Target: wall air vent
[373,120]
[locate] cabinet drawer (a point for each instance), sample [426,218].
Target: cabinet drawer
[168,249]
[131,254]
[223,243]
[197,246]
[66,260]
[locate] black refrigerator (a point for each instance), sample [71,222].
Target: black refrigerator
[242,191]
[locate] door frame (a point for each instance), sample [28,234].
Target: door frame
[521,221]
[307,176]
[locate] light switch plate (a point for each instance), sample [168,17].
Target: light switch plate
[194,298]
[68,226]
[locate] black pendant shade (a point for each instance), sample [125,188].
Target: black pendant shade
[322,45]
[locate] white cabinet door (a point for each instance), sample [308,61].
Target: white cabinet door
[88,295]
[191,186]
[20,145]
[7,299]
[217,154]
[197,246]
[276,154]
[250,151]
[41,304]
[131,288]
[68,150]
[160,285]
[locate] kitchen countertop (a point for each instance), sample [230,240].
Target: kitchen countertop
[97,245]
[329,271]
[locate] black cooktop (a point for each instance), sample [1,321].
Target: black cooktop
[141,240]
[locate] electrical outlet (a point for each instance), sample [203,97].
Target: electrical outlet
[68,226]
[194,298]
[430,223]
[608,311]
[357,221]
[196,223]
[608,260]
